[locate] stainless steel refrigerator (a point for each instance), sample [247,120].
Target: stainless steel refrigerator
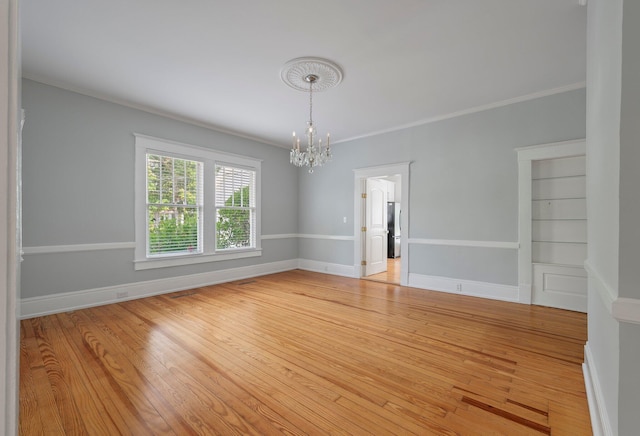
[393,228]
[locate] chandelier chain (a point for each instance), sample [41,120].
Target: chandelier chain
[311,101]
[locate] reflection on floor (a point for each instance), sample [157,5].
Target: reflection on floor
[391,275]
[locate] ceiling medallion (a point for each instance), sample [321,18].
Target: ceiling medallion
[294,73]
[312,74]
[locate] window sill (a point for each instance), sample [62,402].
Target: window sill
[165,262]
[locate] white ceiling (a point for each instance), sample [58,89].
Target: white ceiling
[218,63]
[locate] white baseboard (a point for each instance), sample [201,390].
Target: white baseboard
[526,292]
[600,424]
[465,287]
[57,303]
[327,268]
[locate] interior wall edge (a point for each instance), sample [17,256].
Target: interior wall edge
[597,406]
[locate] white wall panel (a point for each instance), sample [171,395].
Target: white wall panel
[557,188]
[565,209]
[564,283]
[569,166]
[559,253]
[559,231]
[560,286]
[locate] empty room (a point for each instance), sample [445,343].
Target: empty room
[347,217]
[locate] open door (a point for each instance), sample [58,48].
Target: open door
[360,243]
[376,226]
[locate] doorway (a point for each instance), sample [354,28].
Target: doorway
[374,187]
[552,216]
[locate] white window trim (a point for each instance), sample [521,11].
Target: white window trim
[146,144]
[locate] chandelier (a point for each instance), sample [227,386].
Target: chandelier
[303,74]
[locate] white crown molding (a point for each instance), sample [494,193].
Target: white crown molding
[148,109]
[469,111]
[213,127]
[465,243]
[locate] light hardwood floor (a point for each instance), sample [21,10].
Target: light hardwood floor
[391,275]
[304,353]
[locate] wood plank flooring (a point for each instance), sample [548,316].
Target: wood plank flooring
[391,275]
[304,353]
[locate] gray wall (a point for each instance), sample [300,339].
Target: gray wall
[78,177]
[603,164]
[613,155]
[463,185]
[629,418]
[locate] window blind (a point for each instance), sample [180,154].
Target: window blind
[235,203]
[174,205]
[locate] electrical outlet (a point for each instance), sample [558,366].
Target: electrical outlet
[123,294]
[459,287]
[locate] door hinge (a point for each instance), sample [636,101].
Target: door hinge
[363,263]
[364,229]
[364,195]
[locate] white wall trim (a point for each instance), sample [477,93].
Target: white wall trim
[359,182]
[38,306]
[465,243]
[98,246]
[327,268]
[607,294]
[526,293]
[552,150]
[279,236]
[148,109]
[626,310]
[173,116]
[465,287]
[495,105]
[526,155]
[327,237]
[10,224]
[600,424]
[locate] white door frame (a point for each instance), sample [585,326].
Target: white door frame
[360,176]
[526,156]
[9,250]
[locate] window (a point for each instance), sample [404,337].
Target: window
[194,205]
[235,207]
[174,205]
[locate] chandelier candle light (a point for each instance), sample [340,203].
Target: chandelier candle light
[323,74]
